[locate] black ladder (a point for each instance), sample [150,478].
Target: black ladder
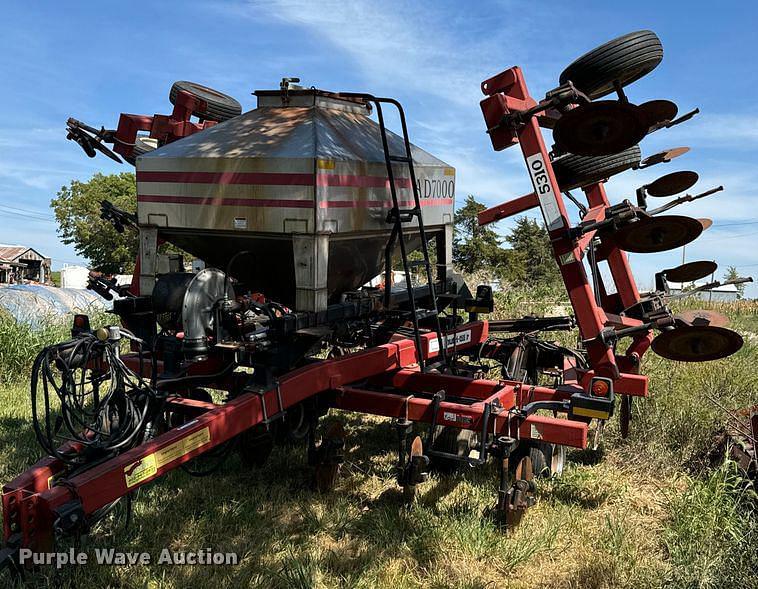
[398,217]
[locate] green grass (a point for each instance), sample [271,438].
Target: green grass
[654,512]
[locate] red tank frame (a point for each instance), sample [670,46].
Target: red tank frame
[30,501]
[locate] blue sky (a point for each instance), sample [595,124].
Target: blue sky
[93,60]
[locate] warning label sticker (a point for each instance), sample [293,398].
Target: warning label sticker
[140,470]
[146,467]
[457,417]
[182,447]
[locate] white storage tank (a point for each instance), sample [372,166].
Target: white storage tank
[300,184]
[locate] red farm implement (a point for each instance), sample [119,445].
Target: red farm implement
[294,207]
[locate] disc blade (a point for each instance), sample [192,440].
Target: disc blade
[702,317]
[656,234]
[697,343]
[656,112]
[672,183]
[524,470]
[691,271]
[663,156]
[417,447]
[600,128]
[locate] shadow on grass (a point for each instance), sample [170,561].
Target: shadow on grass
[283,532]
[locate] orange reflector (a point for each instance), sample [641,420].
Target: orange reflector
[600,388]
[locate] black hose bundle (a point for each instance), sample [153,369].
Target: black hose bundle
[90,397]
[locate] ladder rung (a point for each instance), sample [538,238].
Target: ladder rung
[400,158]
[405,215]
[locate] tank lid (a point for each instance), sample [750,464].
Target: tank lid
[306,97]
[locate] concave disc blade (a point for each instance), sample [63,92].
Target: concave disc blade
[656,234]
[697,343]
[672,183]
[703,317]
[691,271]
[658,111]
[663,156]
[600,128]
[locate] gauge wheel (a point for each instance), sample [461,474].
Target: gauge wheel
[547,459]
[452,440]
[220,107]
[623,60]
[296,425]
[255,446]
[142,145]
[625,414]
[576,171]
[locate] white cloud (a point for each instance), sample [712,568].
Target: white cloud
[401,45]
[718,130]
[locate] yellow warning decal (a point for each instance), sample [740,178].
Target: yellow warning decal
[182,447]
[590,413]
[326,164]
[148,466]
[140,470]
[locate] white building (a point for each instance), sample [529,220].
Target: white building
[725,293]
[73,276]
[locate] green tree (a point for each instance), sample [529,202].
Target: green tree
[731,274]
[532,261]
[77,210]
[475,247]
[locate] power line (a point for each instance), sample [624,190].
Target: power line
[728,237]
[735,224]
[25,216]
[29,211]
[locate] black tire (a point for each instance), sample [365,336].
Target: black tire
[625,415]
[624,59]
[296,425]
[547,459]
[221,107]
[574,171]
[255,446]
[143,145]
[452,440]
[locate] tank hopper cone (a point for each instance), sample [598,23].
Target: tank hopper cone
[697,343]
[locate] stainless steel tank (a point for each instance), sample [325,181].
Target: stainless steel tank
[300,184]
